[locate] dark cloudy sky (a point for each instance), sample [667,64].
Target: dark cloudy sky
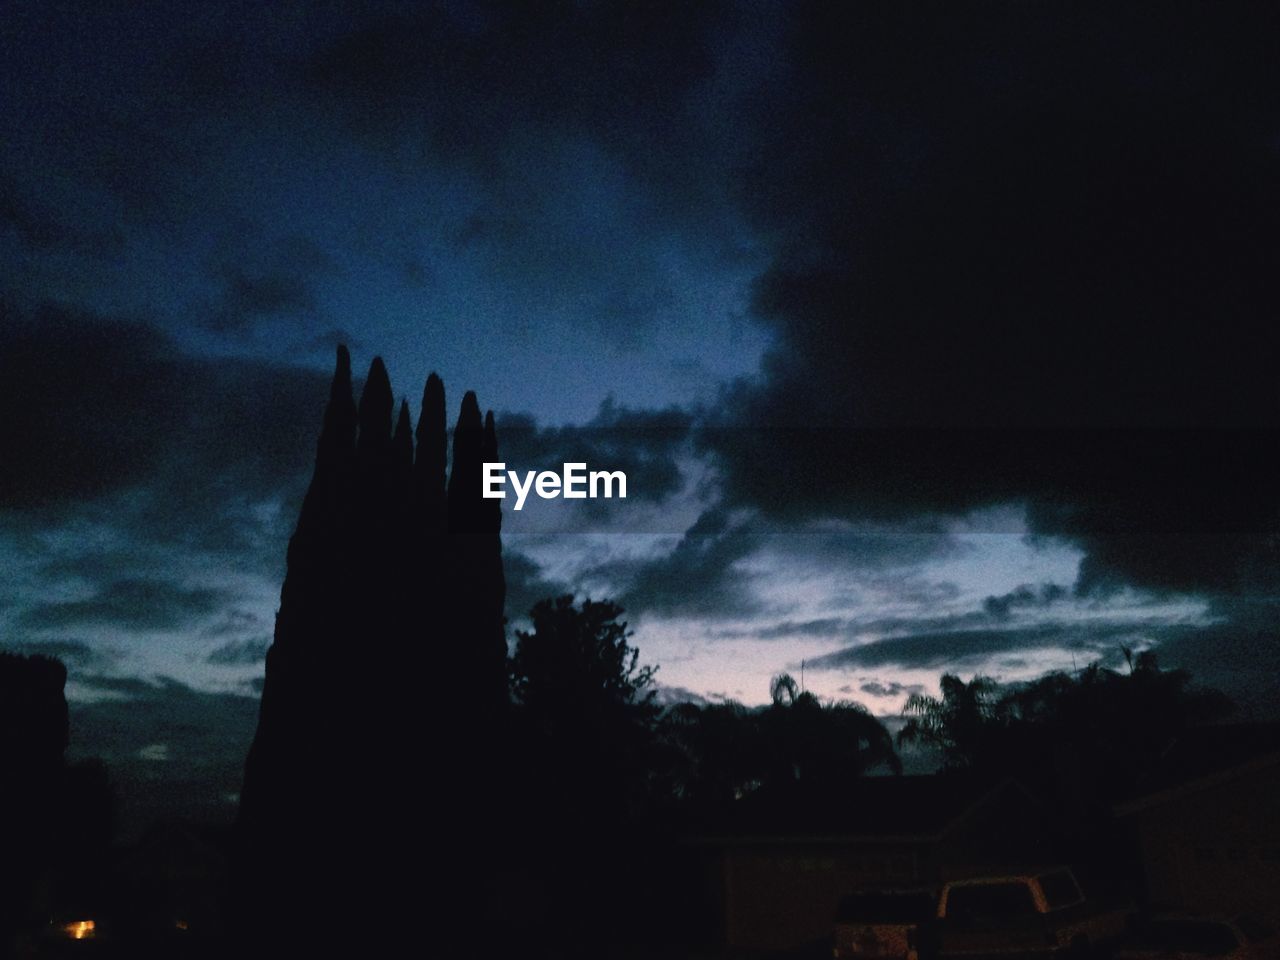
[931,336]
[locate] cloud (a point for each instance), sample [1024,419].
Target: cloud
[141,604]
[240,652]
[251,296]
[646,445]
[1238,653]
[104,411]
[389,134]
[85,402]
[45,230]
[330,340]
[616,74]
[196,741]
[557,126]
[698,577]
[527,583]
[997,277]
[1024,596]
[275,282]
[990,285]
[951,649]
[75,653]
[789,629]
[118,146]
[1233,645]
[124,686]
[893,688]
[756,570]
[234,623]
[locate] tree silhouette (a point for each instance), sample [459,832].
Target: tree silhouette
[715,753]
[56,821]
[580,656]
[583,720]
[585,705]
[1081,742]
[725,752]
[1106,725]
[783,689]
[958,724]
[394,575]
[33,736]
[1109,725]
[820,744]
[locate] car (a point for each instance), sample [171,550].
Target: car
[1025,913]
[1189,937]
[882,923]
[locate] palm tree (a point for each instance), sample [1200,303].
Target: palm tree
[783,689]
[958,723]
[806,739]
[1115,723]
[714,751]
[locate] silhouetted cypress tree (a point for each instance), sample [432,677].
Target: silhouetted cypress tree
[430,459]
[491,641]
[477,587]
[391,584]
[402,459]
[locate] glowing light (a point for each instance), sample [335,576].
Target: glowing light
[79,929]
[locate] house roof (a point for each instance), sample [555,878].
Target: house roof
[874,809]
[1202,757]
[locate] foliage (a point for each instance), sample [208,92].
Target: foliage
[1100,720]
[578,659]
[957,723]
[729,751]
[584,711]
[829,743]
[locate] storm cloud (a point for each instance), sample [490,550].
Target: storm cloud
[99,406]
[1003,278]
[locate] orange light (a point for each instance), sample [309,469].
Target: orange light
[180,924]
[79,929]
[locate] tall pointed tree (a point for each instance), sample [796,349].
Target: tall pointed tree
[391,573]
